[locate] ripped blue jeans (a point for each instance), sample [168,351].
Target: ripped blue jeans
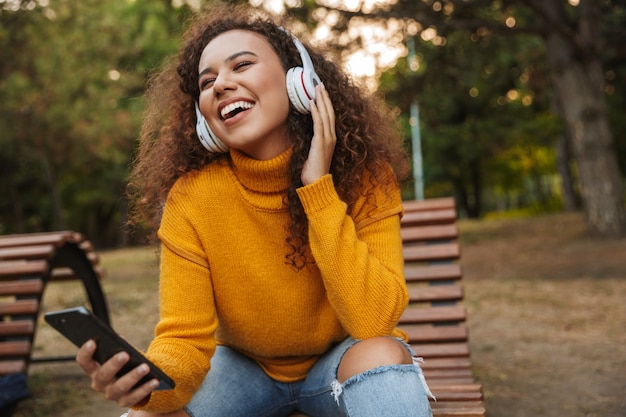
[237,387]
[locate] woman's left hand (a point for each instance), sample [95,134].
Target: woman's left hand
[324,137]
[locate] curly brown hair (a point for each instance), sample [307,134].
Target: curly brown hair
[367,138]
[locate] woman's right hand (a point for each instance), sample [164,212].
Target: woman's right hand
[103,377]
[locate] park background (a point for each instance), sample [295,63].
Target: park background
[519,107]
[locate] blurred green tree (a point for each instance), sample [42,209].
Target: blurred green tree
[572,37]
[72,77]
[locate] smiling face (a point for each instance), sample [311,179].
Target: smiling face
[243,95]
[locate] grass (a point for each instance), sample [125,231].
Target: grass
[546,309]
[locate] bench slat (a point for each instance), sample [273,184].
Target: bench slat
[433,314]
[27,252]
[458,396]
[430,204]
[423,218]
[30,239]
[19,307]
[15,348]
[446,363]
[440,350]
[437,272]
[420,294]
[21,287]
[11,269]
[431,252]
[421,334]
[434,374]
[12,367]
[17,328]
[458,409]
[429,233]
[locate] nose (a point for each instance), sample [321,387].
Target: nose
[223,82]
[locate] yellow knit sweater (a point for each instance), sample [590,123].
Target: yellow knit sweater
[224,279]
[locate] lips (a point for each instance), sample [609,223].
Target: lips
[232,109]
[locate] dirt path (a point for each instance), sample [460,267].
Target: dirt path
[547,310]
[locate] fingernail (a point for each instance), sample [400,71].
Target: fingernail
[121,357]
[90,344]
[154,383]
[143,369]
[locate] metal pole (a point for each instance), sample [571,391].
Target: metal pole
[416,140]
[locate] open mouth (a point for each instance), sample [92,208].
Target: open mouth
[234,109]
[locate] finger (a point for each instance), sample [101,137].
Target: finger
[123,391]
[327,112]
[106,374]
[84,357]
[139,394]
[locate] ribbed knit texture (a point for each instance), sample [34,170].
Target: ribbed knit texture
[225,280]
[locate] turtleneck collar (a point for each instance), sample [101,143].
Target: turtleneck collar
[269,176]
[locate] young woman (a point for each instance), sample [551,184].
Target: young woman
[270,178]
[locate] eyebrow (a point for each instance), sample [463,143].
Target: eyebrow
[229,59]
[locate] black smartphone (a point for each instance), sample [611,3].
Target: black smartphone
[80,325]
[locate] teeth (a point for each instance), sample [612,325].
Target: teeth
[244,105]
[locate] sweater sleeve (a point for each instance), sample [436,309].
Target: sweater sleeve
[359,256]
[184,342]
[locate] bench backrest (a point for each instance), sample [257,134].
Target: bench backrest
[27,264]
[435,319]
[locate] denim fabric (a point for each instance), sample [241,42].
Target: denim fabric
[237,387]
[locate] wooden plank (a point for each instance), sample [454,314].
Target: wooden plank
[33,239]
[461,381]
[27,252]
[21,287]
[436,272]
[446,363]
[19,268]
[439,374]
[433,314]
[12,367]
[421,334]
[15,348]
[458,396]
[19,307]
[440,350]
[429,204]
[429,233]
[458,409]
[420,294]
[457,387]
[421,218]
[17,328]
[431,252]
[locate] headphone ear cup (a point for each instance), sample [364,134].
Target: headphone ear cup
[295,90]
[301,81]
[207,138]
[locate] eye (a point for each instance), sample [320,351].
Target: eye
[206,82]
[242,65]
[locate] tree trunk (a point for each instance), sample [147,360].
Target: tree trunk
[570,201]
[58,221]
[578,82]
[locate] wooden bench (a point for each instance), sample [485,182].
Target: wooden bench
[28,263]
[435,319]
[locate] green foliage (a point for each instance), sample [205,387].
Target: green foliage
[488,122]
[73,74]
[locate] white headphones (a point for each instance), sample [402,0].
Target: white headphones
[301,82]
